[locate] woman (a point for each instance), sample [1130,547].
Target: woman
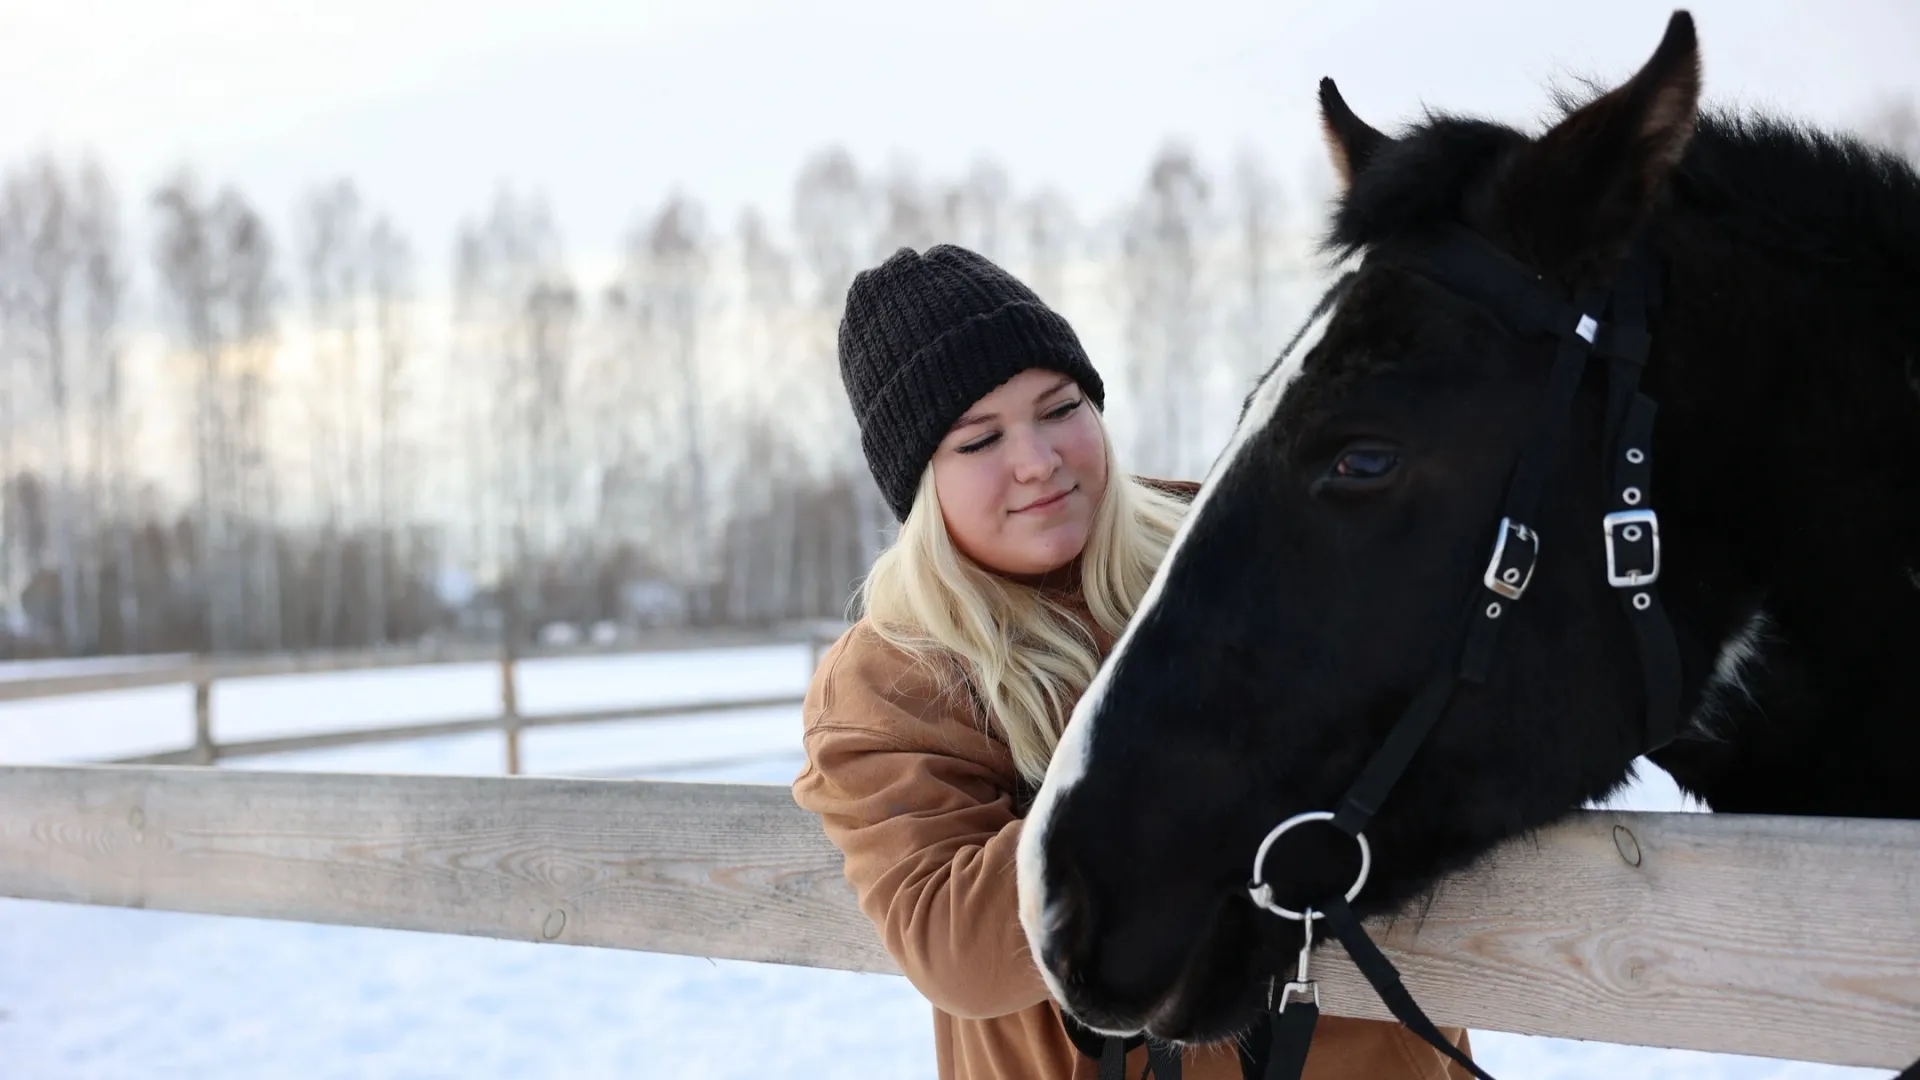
[1021,554]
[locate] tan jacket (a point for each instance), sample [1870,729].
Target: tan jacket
[921,797]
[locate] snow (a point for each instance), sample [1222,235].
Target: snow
[111,993]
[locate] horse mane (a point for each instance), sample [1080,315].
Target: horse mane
[1818,195]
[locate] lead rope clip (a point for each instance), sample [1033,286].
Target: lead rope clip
[1302,985]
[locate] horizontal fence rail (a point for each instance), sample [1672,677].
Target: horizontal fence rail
[336,662]
[204,749]
[429,729]
[1776,936]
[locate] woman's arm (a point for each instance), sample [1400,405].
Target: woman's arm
[916,796]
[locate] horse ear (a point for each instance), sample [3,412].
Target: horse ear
[1350,141]
[1591,180]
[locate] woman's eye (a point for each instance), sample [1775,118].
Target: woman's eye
[978,445]
[1063,410]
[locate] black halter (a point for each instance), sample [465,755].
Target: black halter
[1610,323]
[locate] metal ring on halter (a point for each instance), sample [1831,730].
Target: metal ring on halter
[1262,893]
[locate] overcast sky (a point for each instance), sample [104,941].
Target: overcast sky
[606,107]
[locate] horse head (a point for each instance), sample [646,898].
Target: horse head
[1323,574]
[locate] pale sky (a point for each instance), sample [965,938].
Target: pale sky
[609,106]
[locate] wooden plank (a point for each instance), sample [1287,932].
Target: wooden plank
[430,729]
[698,869]
[1775,936]
[1784,937]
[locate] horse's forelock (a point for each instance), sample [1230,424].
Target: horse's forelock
[1425,178]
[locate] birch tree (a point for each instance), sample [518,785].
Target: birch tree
[663,288]
[330,253]
[111,426]
[214,259]
[43,280]
[1162,262]
[390,281]
[833,212]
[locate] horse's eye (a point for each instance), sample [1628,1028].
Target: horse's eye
[1362,465]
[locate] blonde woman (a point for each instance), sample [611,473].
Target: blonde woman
[1022,552]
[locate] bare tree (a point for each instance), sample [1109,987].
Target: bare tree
[980,210]
[111,425]
[248,255]
[12,244]
[832,216]
[472,374]
[910,216]
[46,263]
[1164,249]
[186,264]
[1261,264]
[551,308]
[1048,229]
[214,259]
[518,308]
[663,286]
[757,453]
[329,231]
[390,279]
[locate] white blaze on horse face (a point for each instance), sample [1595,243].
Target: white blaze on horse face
[1039,916]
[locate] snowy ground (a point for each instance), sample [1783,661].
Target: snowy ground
[121,994]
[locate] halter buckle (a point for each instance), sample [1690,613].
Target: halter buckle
[1638,531]
[1511,567]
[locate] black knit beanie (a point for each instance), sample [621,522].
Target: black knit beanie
[926,336]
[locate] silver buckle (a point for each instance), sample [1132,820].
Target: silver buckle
[1620,521]
[1513,581]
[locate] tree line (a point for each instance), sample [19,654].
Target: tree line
[221,432]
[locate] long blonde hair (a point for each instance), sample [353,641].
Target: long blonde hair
[1027,657]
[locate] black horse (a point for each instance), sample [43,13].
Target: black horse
[1343,539]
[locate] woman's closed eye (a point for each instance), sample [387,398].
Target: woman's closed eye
[1058,412]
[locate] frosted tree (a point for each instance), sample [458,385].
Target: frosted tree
[395,468]
[1164,247]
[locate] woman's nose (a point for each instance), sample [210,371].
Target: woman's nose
[1033,457]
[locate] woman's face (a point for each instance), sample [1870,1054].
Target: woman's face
[1020,474]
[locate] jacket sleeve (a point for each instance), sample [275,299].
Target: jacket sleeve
[915,795]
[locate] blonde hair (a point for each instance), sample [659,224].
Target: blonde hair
[1026,657]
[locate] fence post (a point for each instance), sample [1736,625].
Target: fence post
[204,751]
[510,710]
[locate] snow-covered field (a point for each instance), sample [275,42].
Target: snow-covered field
[122,994]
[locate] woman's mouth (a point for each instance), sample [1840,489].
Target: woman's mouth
[1047,503]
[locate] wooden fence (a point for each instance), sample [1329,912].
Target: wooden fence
[1777,936]
[510,721]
